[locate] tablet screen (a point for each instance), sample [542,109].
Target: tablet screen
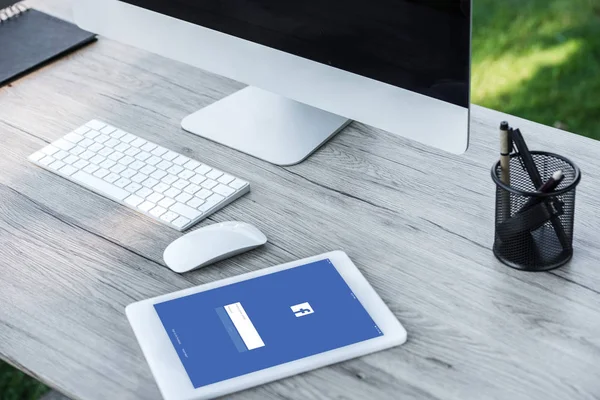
[262,322]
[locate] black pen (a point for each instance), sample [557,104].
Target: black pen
[547,187]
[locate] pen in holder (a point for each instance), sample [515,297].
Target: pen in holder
[534,230]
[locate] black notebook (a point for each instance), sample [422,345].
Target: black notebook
[30,39]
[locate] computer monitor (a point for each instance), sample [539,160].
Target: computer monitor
[312,66]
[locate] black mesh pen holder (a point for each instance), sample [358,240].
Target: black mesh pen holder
[534,230]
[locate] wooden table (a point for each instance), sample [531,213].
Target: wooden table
[416,221]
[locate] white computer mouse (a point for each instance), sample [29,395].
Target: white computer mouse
[210,244]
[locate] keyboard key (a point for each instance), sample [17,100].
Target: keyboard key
[70,159]
[148,147]
[180,222]
[57,165]
[214,174]
[203,194]
[191,188]
[122,147]
[118,168]
[112,177]
[223,190]
[47,160]
[97,159]
[49,150]
[138,142]
[86,155]
[191,165]
[134,200]
[172,192]
[169,179]
[90,169]
[164,165]
[205,207]
[146,206]
[137,164]
[158,174]
[180,184]
[225,179]
[92,134]
[155,197]
[63,144]
[186,211]
[68,170]
[132,151]
[81,164]
[107,130]
[142,156]
[108,164]
[128,138]
[116,156]
[237,184]
[148,169]
[180,160]
[82,130]
[101,173]
[153,160]
[95,147]
[106,188]
[85,143]
[73,137]
[38,155]
[166,202]
[197,179]
[101,138]
[150,182]
[144,192]
[208,184]
[184,197]
[215,198]
[160,187]
[170,155]
[195,202]
[77,150]
[105,151]
[95,124]
[133,187]
[112,143]
[118,134]
[203,169]
[59,155]
[126,160]
[122,182]
[175,169]
[159,151]
[139,178]
[169,216]
[157,211]
[186,174]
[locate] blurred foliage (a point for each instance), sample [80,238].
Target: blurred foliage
[539,59]
[15,385]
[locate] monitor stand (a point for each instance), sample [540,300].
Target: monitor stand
[265,125]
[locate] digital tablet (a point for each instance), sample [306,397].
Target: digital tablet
[250,329]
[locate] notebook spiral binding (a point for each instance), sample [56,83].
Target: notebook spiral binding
[13,11]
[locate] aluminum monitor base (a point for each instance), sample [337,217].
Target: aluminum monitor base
[265,125]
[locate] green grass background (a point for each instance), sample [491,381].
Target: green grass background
[538,59]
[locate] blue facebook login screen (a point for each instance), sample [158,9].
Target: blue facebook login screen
[263,322]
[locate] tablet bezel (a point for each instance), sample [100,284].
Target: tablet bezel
[172,378]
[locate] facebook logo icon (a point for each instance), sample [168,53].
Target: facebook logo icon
[300,310]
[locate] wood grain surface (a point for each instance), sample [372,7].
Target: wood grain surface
[416,221]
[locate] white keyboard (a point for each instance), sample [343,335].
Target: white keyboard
[164,185]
